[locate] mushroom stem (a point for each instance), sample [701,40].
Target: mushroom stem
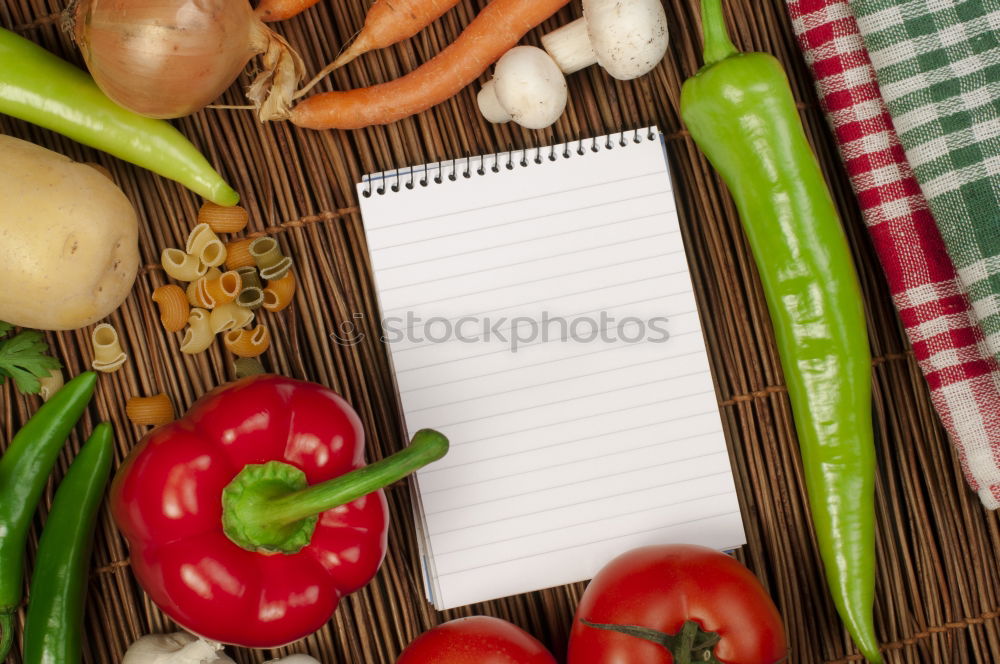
[570,46]
[489,104]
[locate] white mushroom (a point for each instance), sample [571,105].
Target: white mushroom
[527,87]
[626,37]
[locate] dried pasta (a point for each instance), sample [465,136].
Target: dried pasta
[223,288]
[238,254]
[198,336]
[155,410]
[247,343]
[248,277]
[198,296]
[213,273]
[265,252]
[247,366]
[206,245]
[276,271]
[181,266]
[279,292]
[223,219]
[108,353]
[174,307]
[251,298]
[229,316]
[50,384]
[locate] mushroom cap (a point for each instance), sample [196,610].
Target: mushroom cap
[530,86]
[629,36]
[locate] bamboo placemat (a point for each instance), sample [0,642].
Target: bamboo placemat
[939,581]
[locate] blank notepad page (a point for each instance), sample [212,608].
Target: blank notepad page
[539,312]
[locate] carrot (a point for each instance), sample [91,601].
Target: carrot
[495,31]
[279,10]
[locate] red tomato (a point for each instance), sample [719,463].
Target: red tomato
[476,640]
[662,587]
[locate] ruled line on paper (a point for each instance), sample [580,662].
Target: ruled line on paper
[537,364]
[620,222]
[592,542]
[530,260]
[549,215]
[510,202]
[591,479]
[558,380]
[602,416]
[576,524]
[437,469]
[536,469]
[536,280]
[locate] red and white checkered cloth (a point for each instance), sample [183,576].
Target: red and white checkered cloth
[964,378]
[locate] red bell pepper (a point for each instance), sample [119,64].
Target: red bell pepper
[250,517]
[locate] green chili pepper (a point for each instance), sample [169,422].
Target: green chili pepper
[740,111]
[59,583]
[40,88]
[24,471]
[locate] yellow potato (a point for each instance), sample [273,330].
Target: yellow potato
[68,240]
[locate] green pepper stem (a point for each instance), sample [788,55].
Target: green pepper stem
[718,45]
[271,508]
[427,446]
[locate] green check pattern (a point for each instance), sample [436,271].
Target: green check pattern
[938,66]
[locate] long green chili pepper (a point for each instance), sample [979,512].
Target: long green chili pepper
[45,90]
[740,111]
[59,582]
[24,471]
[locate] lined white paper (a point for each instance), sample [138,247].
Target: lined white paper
[566,450]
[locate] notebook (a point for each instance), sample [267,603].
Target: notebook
[539,312]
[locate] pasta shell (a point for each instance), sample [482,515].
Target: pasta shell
[155,410]
[108,353]
[224,288]
[198,336]
[181,266]
[238,254]
[229,316]
[251,298]
[276,271]
[247,366]
[174,307]
[249,278]
[265,252]
[50,384]
[223,219]
[279,292]
[247,343]
[205,244]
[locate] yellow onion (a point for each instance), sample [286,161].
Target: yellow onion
[168,58]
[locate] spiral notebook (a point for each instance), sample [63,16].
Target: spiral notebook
[538,310]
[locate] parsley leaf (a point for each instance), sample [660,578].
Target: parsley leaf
[23,358]
[5,329]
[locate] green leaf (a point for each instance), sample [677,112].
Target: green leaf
[5,329]
[23,358]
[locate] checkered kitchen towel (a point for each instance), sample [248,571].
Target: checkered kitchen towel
[938,66]
[963,376]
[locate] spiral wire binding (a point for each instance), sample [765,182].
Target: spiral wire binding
[467,166]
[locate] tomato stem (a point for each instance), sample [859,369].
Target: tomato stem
[690,645]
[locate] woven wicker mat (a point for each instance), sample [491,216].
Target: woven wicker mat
[938,583]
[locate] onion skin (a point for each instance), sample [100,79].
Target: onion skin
[170,58]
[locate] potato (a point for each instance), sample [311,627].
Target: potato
[68,240]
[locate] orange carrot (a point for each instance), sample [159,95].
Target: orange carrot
[495,31]
[392,21]
[279,10]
